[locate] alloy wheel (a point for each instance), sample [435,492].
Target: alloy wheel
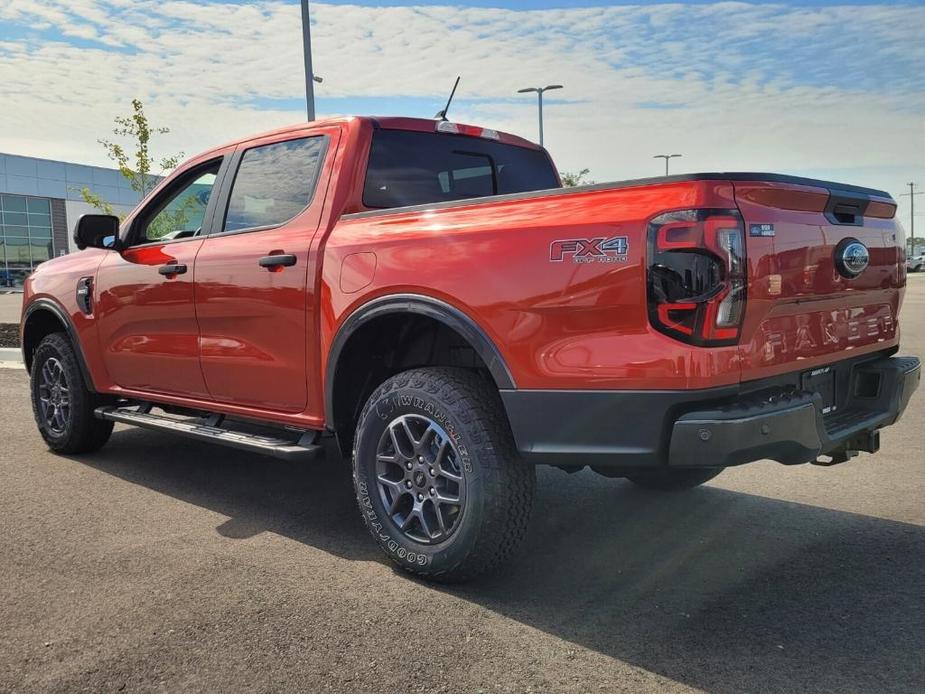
[54,396]
[420,480]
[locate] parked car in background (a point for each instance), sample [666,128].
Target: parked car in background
[427,293]
[915,263]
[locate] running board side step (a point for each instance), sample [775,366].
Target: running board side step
[208,430]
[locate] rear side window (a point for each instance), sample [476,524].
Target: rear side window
[274,183]
[413,168]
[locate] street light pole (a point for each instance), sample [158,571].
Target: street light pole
[912,193]
[666,157]
[539,105]
[310,78]
[539,100]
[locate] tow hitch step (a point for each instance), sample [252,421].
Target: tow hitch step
[209,429]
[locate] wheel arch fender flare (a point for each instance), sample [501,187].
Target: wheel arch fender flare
[423,305]
[48,306]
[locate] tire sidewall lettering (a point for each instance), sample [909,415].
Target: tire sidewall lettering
[402,401]
[380,531]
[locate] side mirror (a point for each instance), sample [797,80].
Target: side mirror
[97,231]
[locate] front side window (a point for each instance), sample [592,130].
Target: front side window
[274,183]
[181,213]
[417,168]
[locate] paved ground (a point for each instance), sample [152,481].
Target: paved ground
[160,565]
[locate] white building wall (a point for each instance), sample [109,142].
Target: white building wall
[63,180]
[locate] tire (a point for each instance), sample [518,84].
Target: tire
[444,423]
[65,415]
[673,480]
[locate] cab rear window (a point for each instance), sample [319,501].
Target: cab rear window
[414,168]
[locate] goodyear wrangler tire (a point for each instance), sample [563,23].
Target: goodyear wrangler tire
[437,477]
[61,402]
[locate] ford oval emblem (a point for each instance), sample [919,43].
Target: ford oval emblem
[851,258]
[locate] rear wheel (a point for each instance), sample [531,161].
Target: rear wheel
[668,479]
[437,477]
[61,402]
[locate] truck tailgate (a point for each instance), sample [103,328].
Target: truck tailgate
[805,308]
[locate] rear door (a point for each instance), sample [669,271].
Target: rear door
[806,307]
[254,283]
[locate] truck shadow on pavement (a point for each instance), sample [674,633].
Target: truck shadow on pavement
[720,590]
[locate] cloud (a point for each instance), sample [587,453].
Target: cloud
[731,85]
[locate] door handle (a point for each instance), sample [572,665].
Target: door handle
[277,261]
[172,269]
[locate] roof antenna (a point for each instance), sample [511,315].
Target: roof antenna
[441,115]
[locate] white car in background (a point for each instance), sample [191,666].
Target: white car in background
[915,263]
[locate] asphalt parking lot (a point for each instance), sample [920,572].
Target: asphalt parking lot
[163,565]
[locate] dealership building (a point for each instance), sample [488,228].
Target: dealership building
[40,203]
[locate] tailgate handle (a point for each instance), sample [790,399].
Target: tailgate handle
[846,207]
[846,214]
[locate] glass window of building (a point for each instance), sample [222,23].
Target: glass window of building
[25,237]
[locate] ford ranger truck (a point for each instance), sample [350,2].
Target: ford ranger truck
[428,294]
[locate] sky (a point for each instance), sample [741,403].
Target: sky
[820,88]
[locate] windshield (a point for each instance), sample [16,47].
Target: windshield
[414,168]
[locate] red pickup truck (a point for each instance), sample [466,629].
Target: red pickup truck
[430,295]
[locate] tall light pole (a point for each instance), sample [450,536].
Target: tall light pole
[912,193]
[666,157]
[539,95]
[310,78]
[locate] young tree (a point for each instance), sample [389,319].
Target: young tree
[577,178]
[137,167]
[96,200]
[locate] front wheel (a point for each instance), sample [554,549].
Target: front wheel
[437,476]
[61,402]
[677,479]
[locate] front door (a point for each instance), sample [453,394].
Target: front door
[253,295]
[146,315]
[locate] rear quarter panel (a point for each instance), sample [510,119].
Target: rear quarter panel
[558,325]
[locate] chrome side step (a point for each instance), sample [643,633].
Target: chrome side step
[208,429]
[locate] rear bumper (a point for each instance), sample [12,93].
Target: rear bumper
[772,419]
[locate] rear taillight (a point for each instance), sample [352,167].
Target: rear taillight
[697,276]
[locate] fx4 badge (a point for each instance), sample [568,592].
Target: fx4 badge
[599,250]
